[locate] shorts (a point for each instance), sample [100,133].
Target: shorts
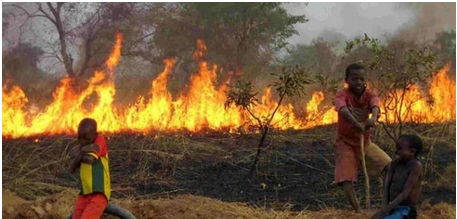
[90,206]
[402,212]
[348,159]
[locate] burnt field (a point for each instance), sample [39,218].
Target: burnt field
[295,170]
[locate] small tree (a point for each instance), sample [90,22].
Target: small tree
[290,82]
[395,69]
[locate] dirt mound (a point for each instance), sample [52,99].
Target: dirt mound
[9,201]
[186,207]
[55,206]
[181,207]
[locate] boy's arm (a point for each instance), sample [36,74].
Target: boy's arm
[90,153]
[375,113]
[412,179]
[75,163]
[87,154]
[348,115]
[86,158]
[385,196]
[374,106]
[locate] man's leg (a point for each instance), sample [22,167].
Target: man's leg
[95,207]
[349,190]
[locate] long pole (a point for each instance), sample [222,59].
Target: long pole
[365,173]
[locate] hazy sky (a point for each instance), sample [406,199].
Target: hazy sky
[332,21]
[349,19]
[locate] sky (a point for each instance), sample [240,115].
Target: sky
[331,21]
[349,19]
[341,21]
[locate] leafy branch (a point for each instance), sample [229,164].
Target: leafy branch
[289,83]
[395,68]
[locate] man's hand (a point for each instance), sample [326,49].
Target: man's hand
[90,148]
[380,214]
[371,122]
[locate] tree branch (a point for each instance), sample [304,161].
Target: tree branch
[46,15]
[277,107]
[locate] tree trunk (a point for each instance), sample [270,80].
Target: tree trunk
[259,149]
[67,60]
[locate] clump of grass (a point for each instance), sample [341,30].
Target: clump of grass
[445,179]
[439,211]
[31,166]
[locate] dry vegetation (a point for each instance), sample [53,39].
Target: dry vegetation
[188,206]
[170,175]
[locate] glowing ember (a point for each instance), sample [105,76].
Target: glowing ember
[200,107]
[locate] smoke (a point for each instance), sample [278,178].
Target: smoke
[432,18]
[342,21]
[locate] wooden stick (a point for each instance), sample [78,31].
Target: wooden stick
[365,173]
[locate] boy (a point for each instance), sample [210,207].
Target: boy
[354,105]
[403,181]
[93,176]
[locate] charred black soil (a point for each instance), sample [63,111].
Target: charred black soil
[295,169]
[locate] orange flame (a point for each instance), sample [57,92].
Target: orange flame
[13,120]
[417,108]
[200,107]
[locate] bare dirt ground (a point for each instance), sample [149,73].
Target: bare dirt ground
[186,206]
[206,175]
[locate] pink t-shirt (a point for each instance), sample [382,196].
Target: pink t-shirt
[359,108]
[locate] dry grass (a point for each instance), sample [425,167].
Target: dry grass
[181,207]
[439,211]
[189,207]
[29,167]
[34,169]
[445,179]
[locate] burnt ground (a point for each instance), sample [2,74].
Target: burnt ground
[295,170]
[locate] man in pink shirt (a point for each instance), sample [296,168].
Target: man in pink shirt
[354,104]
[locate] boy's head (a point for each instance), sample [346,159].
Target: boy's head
[356,78]
[87,131]
[408,146]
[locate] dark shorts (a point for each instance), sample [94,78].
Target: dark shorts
[402,212]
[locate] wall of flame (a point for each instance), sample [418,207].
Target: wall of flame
[202,107]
